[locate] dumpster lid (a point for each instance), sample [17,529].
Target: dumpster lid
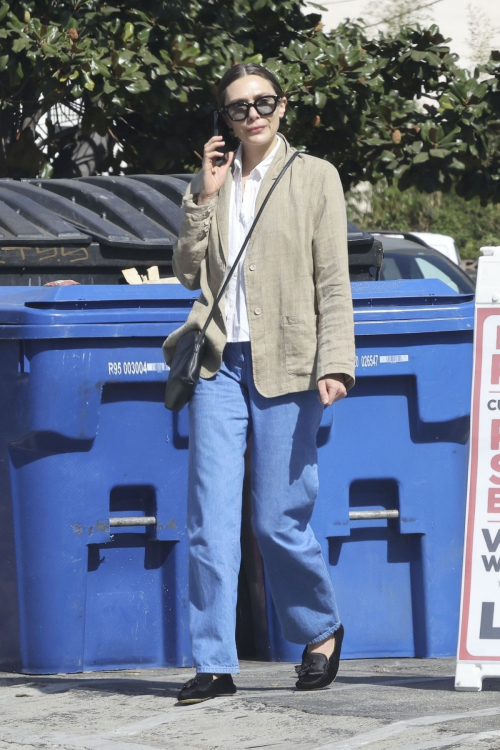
[357,236]
[404,292]
[24,221]
[410,306]
[75,305]
[135,212]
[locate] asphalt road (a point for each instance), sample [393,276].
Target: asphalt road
[386,704]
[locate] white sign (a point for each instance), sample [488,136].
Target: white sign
[479,637]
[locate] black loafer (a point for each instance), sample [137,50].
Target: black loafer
[317,671]
[204,686]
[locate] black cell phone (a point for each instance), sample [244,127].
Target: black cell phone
[231,143]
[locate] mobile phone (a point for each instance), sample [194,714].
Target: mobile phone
[231,143]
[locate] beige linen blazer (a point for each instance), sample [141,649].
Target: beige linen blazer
[296,275]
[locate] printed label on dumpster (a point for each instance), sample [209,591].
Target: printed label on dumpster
[392,359]
[480,613]
[135,368]
[374,360]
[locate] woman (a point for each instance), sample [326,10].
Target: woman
[279,350]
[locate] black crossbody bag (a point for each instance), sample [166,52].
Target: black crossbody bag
[189,351]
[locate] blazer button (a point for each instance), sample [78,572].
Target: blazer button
[257,311]
[252,267]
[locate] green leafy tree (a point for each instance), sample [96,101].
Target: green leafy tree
[141,81]
[384,206]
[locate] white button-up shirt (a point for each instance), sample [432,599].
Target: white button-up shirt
[241,216]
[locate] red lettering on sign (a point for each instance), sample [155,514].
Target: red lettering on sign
[495,369]
[495,434]
[495,465]
[493,500]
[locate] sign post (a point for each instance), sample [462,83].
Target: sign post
[479,637]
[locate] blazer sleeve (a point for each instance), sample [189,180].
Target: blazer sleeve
[191,246]
[333,289]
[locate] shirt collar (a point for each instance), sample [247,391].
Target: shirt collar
[262,166]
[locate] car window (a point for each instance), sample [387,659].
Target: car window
[390,270]
[418,264]
[430,271]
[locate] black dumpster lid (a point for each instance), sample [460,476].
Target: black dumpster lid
[25,221]
[135,212]
[356,236]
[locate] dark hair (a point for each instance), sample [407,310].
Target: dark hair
[245,69]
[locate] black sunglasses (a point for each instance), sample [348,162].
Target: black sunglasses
[264,105]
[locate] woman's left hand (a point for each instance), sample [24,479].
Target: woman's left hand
[331,388]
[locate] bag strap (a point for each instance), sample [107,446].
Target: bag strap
[245,243]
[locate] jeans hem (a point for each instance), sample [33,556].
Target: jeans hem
[217,670]
[324,635]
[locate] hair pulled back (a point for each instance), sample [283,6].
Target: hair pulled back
[239,71]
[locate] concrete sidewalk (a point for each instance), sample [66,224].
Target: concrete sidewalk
[386,704]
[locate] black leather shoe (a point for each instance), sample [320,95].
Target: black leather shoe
[204,686]
[316,670]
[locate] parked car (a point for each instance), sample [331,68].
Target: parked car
[410,259]
[442,242]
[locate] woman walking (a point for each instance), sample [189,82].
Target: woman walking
[280,348]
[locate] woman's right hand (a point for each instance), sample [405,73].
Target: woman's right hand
[213,176]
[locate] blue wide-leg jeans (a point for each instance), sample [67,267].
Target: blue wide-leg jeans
[223,412]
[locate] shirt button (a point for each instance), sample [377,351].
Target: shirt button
[252,267]
[257,311]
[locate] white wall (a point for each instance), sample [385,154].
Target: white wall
[451,16]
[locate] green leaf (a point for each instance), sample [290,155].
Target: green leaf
[203,60]
[421,158]
[143,35]
[439,153]
[108,88]
[50,51]
[4,61]
[97,67]
[124,57]
[21,43]
[149,59]
[4,9]
[15,22]
[46,171]
[450,137]
[256,59]
[386,156]
[52,34]
[171,84]
[89,83]
[128,31]
[138,87]
[319,99]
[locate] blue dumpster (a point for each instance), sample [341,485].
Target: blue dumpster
[93,478]
[397,447]
[86,445]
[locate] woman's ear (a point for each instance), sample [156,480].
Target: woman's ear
[282,105]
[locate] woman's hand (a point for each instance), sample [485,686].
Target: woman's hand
[331,388]
[213,176]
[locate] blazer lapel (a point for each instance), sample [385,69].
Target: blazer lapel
[223,214]
[282,155]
